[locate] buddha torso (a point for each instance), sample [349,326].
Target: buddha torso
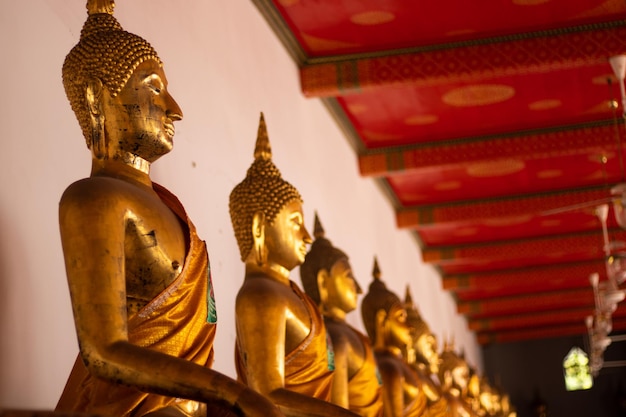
[431,388]
[154,240]
[344,337]
[399,379]
[279,298]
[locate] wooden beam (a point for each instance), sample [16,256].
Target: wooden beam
[567,140]
[543,205]
[473,62]
[575,247]
[523,280]
[544,318]
[485,338]
[549,301]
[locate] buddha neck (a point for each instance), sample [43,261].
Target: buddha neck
[389,350]
[269,270]
[127,167]
[333,312]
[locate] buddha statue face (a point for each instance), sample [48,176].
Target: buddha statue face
[425,346]
[341,287]
[139,120]
[286,236]
[395,328]
[460,376]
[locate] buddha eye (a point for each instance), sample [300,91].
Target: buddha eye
[155,89]
[154,83]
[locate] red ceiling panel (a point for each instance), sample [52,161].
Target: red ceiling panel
[495,133]
[402,115]
[351,26]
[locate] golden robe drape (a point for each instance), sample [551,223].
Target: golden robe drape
[308,370]
[363,400]
[181,322]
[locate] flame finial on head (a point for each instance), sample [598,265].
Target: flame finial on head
[262,149]
[100,6]
[376,269]
[408,300]
[318,229]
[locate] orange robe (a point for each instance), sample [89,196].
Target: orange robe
[362,399]
[413,406]
[181,321]
[417,407]
[439,408]
[308,368]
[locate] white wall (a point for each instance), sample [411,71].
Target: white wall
[225,66]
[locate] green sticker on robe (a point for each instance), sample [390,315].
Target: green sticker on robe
[211,307]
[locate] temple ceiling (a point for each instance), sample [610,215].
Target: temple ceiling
[496,133]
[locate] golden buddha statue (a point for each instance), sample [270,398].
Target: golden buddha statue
[327,278]
[423,358]
[490,399]
[454,374]
[138,274]
[385,318]
[282,347]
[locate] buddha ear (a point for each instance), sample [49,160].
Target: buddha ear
[380,319]
[93,97]
[258,238]
[447,380]
[322,280]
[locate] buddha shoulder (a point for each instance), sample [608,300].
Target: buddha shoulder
[94,191]
[265,290]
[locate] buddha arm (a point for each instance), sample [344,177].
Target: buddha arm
[92,223]
[340,390]
[393,389]
[261,314]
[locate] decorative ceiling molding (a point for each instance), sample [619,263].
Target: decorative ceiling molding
[543,205]
[545,318]
[548,143]
[523,304]
[523,280]
[485,338]
[473,63]
[572,247]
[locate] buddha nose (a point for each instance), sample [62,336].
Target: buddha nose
[306,236]
[173,111]
[358,287]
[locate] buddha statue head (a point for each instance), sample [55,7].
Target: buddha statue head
[327,276]
[266,213]
[424,341]
[384,316]
[489,397]
[454,372]
[116,86]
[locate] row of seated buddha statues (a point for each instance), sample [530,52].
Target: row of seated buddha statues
[141,286]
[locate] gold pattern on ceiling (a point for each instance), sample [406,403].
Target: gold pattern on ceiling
[372,18]
[421,119]
[495,168]
[478,95]
[546,104]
